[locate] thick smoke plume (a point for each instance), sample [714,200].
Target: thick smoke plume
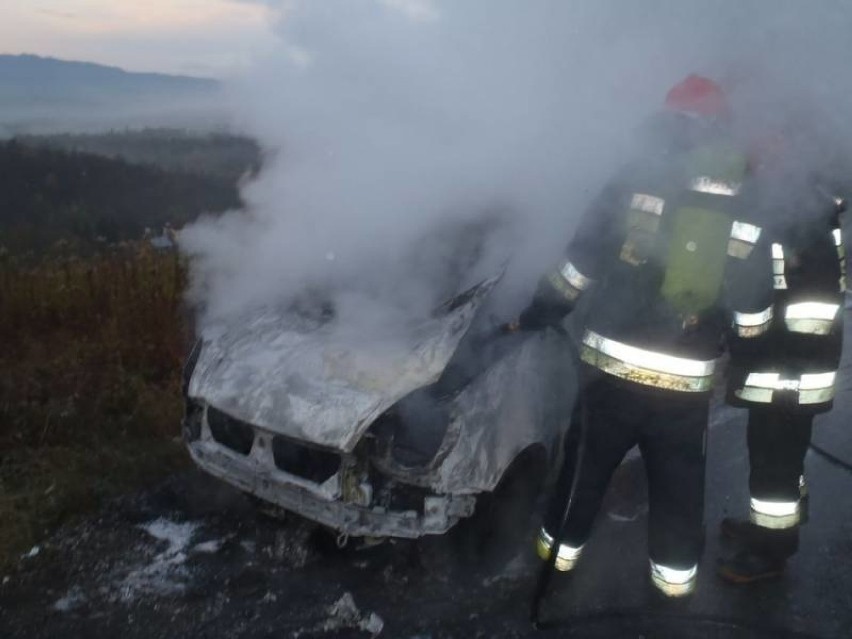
[396,130]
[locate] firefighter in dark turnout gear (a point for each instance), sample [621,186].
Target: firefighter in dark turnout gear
[663,258]
[787,375]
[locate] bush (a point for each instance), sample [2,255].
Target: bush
[90,399]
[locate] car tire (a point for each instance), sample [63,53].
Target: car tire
[503,520]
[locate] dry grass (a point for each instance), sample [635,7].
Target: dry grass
[90,400]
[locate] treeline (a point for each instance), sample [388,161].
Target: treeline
[47,194]
[217,154]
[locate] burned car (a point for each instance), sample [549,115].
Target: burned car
[401,438]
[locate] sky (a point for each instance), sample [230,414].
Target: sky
[210,38]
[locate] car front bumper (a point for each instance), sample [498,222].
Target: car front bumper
[257,474]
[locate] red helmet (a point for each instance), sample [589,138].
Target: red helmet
[698,96]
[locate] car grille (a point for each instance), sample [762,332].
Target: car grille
[303,461]
[230,432]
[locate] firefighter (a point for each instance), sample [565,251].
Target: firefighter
[660,259]
[788,375]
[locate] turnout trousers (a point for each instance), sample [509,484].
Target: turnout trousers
[669,428]
[778,440]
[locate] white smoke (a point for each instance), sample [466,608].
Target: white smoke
[387,120]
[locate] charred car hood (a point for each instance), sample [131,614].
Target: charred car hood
[300,379]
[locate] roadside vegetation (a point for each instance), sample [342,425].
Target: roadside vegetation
[89,383]
[93,330]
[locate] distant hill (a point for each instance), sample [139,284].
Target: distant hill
[25,79]
[39,93]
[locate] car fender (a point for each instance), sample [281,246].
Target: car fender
[523,400]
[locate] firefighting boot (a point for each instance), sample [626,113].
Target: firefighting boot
[747,567]
[660,601]
[741,531]
[666,599]
[566,556]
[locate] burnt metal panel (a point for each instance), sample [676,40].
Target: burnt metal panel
[308,381]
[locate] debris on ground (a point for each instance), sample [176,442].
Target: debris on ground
[177,535]
[165,573]
[33,552]
[210,547]
[72,600]
[344,614]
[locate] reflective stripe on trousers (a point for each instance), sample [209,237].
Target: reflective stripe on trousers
[646,367]
[673,582]
[810,388]
[776,515]
[566,555]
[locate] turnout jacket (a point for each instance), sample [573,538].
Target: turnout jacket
[665,262]
[794,364]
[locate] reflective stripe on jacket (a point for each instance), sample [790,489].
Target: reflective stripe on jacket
[647,367]
[661,261]
[794,363]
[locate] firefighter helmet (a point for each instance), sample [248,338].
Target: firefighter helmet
[700,96]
